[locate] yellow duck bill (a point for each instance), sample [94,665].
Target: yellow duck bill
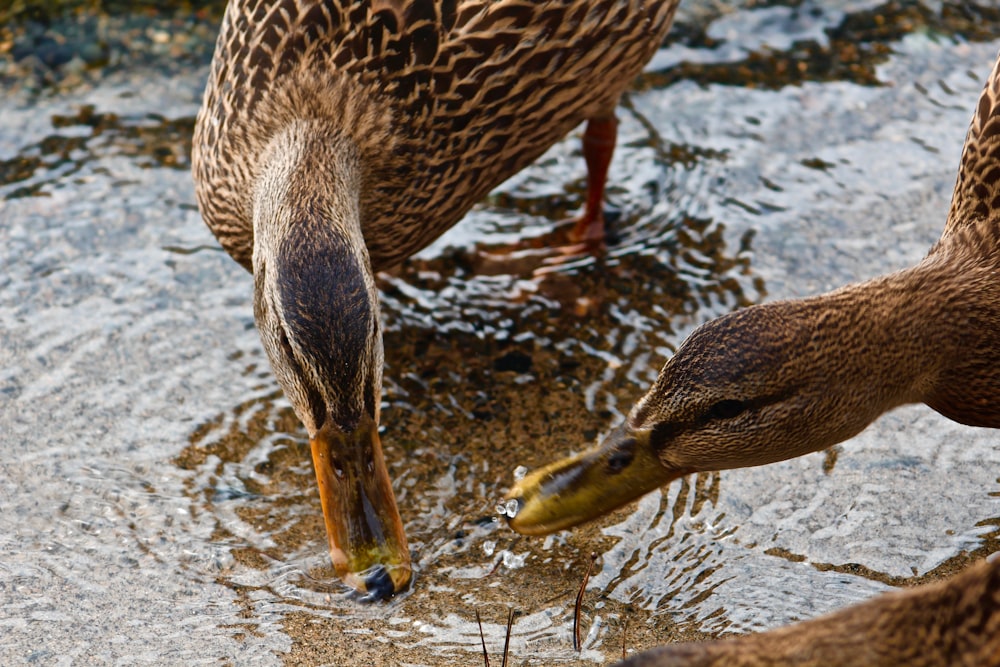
[586,486]
[367,543]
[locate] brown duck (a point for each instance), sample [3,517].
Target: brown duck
[337,138]
[953,623]
[779,380]
[783,379]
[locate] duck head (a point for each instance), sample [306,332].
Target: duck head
[756,386]
[316,308]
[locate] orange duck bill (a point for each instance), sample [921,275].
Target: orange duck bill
[367,543]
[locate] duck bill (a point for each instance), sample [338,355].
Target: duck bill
[367,543]
[589,485]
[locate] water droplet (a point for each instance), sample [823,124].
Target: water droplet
[519,473]
[511,508]
[489,546]
[514,561]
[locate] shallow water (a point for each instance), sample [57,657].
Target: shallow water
[158,502]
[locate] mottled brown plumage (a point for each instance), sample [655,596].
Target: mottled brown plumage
[782,379]
[952,623]
[337,138]
[444,99]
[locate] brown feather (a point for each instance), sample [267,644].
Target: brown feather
[954,623]
[473,92]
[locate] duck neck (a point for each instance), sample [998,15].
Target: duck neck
[316,303]
[955,310]
[930,334]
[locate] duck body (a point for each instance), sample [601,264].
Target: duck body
[952,623]
[786,378]
[443,100]
[337,138]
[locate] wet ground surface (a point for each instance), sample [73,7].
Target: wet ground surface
[158,503]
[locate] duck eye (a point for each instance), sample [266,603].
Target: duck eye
[286,345]
[316,403]
[726,409]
